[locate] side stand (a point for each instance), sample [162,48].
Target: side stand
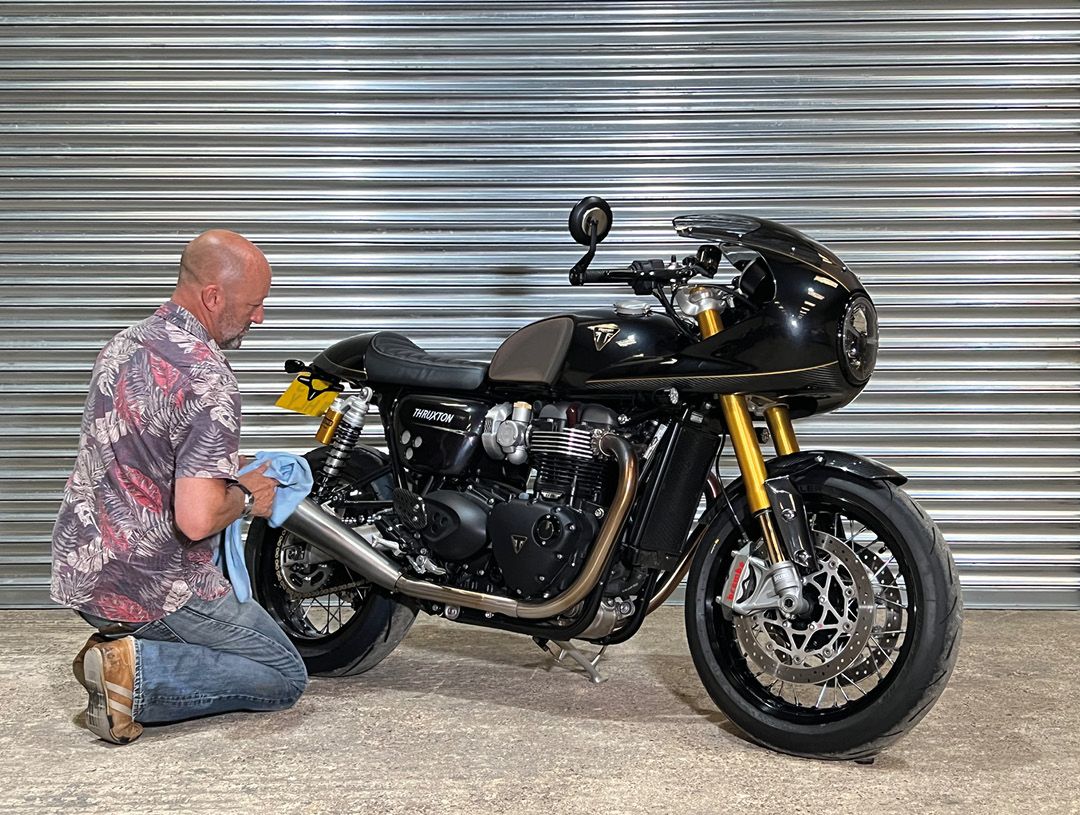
[560,650]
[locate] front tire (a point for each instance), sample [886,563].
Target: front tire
[885,623]
[337,632]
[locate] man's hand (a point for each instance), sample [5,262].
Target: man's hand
[262,489]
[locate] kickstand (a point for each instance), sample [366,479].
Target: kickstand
[559,650]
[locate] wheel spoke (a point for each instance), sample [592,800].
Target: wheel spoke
[884,653]
[891,602]
[885,565]
[854,535]
[821,696]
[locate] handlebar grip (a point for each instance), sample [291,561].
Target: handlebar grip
[601,276]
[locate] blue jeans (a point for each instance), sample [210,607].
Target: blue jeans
[210,657]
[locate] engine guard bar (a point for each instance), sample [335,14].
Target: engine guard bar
[317,526]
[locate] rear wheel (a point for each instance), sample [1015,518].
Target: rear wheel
[877,647]
[340,623]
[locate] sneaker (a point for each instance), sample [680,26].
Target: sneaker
[77,663]
[109,673]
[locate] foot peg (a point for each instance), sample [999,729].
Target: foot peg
[560,650]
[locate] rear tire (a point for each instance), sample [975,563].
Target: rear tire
[888,685]
[357,628]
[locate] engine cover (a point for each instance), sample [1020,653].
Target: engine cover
[456,524]
[539,546]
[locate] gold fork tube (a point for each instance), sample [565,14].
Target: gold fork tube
[782,432]
[747,449]
[709,323]
[752,466]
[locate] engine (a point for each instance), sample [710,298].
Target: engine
[527,538]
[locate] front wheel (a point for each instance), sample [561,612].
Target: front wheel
[877,647]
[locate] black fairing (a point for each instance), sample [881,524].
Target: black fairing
[772,239]
[785,348]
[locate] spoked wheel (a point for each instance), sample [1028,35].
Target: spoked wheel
[876,647]
[322,596]
[340,623]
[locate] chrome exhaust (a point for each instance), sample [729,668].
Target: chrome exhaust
[317,526]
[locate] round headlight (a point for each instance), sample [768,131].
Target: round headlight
[858,341]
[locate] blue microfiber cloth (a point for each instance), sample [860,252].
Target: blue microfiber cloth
[294,483]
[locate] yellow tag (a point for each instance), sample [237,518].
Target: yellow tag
[311,400]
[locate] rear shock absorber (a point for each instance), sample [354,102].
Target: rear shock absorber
[345,438]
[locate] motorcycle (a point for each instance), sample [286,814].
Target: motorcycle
[565,489]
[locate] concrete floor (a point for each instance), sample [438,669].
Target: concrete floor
[464,720]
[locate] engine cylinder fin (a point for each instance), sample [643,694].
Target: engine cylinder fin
[576,441]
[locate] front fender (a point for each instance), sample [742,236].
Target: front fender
[792,466]
[858,466]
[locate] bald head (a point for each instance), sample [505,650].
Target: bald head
[223,281]
[218,256]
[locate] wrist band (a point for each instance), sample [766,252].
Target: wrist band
[249,499]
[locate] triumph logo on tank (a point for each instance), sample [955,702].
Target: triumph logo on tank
[603,334]
[433,415]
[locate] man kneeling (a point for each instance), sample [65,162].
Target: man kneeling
[155,481]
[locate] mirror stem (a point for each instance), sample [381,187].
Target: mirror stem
[577,273]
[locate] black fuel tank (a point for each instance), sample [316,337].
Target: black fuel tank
[564,352]
[437,435]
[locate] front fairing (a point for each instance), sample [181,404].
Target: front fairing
[779,244]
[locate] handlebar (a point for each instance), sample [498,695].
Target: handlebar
[641,272]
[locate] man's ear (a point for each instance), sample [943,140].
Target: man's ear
[213,298]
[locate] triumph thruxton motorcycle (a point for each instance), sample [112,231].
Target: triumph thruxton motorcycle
[566,488]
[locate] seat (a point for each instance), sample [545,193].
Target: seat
[396,360]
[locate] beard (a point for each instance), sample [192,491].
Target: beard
[234,342]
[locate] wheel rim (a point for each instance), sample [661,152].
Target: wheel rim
[857,636]
[306,613]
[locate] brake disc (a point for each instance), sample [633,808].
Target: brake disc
[832,639]
[890,617]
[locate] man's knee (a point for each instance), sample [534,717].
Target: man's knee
[297,677]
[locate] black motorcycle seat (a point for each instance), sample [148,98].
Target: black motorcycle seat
[397,360]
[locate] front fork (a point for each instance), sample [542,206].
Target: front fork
[774,502]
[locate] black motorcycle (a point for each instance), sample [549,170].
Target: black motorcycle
[566,488]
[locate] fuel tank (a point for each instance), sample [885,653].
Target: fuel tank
[565,353]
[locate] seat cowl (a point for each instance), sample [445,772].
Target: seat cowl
[345,359]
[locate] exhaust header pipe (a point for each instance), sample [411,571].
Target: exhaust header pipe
[313,524]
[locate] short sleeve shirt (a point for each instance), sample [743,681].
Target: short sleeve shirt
[163,404]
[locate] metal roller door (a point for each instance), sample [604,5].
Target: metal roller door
[410,165]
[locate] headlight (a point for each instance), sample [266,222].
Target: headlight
[858,341]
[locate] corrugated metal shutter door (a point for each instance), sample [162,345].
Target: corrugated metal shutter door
[410,166]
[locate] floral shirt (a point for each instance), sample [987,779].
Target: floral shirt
[163,404]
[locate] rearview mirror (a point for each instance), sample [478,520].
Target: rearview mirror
[587,213]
